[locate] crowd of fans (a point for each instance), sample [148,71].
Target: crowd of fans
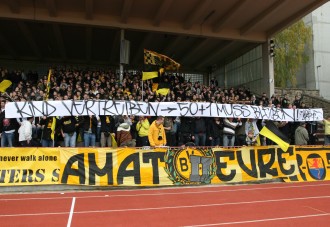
[137,131]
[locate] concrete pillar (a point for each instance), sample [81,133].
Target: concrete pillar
[121,65]
[268,83]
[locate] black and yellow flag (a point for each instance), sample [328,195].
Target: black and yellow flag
[163,86]
[273,133]
[154,58]
[156,64]
[50,72]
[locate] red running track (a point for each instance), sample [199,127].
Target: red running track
[275,204]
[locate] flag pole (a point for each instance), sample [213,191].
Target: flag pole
[142,91]
[48,84]
[50,72]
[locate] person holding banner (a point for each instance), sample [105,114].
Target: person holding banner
[50,126]
[229,131]
[326,123]
[107,128]
[89,126]
[68,130]
[142,127]
[185,131]
[25,132]
[7,129]
[301,134]
[215,130]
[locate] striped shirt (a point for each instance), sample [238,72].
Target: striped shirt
[229,127]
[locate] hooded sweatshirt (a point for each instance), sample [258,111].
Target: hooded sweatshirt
[123,133]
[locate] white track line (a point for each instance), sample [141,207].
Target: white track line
[71,211]
[164,194]
[171,207]
[260,220]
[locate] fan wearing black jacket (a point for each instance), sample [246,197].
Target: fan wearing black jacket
[7,130]
[49,132]
[107,128]
[215,131]
[89,125]
[68,130]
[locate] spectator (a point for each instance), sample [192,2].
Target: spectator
[186,130]
[50,126]
[107,130]
[7,130]
[90,126]
[68,130]
[214,133]
[240,134]
[326,123]
[133,126]
[25,132]
[142,128]
[311,127]
[170,131]
[297,101]
[301,134]
[229,131]
[124,137]
[156,135]
[285,101]
[251,125]
[199,126]
[251,139]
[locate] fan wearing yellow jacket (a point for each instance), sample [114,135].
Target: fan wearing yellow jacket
[142,127]
[156,135]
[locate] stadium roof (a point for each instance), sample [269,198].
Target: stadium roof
[196,33]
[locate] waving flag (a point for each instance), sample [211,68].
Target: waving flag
[50,72]
[273,133]
[155,64]
[4,85]
[154,58]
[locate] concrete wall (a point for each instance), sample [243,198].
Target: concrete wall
[310,97]
[315,74]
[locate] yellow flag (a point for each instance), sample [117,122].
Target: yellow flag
[161,71]
[113,141]
[4,85]
[154,87]
[258,143]
[52,136]
[50,72]
[163,91]
[149,75]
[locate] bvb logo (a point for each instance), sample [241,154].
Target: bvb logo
[190,165]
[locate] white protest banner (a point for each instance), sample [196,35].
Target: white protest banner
[189,109]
